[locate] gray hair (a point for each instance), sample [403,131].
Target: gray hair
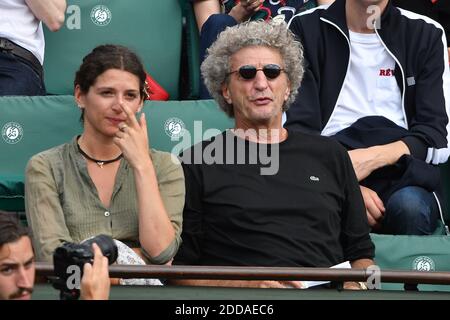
[216,66]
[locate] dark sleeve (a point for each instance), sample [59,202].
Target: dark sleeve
[443,8]
[190,251]
[417,147]
[303,114]
[429,119]
[355,228]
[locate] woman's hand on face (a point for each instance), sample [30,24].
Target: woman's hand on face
[132,138]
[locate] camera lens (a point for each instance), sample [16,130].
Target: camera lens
[106,245]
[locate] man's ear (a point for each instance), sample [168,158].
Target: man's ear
[288,91]
[226,93]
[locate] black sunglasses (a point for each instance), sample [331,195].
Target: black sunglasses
[248,72]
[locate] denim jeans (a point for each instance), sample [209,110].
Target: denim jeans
[214,25]
[18,78]
[411,211]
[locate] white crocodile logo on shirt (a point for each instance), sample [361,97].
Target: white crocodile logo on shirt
[314,178]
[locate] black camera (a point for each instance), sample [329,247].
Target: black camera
[69,260]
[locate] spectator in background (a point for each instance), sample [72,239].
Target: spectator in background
[379,82]
[438,10]
[213,16]
[22,43]
[107,180]
[303,207]
[17,269]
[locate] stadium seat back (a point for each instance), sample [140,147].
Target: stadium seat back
[412,253]
[32,124]
[445,179]
[150,28]
[191,58]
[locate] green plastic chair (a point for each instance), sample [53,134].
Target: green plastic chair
[151,28]
[191,58]
[33,124]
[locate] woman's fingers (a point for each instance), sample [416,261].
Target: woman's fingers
[131,117]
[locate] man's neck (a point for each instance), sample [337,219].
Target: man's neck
[361,14]
[261,134]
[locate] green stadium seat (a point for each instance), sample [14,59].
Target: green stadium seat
[419,253]
[151,28]
[191,51]
[33,124]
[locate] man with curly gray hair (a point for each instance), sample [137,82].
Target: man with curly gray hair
[216,67]
[305,209]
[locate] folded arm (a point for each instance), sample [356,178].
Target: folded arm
[51,12]
[367,160]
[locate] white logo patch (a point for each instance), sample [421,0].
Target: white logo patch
[101,15]
[12,132]
[314,178]
[423,263]
[174,128]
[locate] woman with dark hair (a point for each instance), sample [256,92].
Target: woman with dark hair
[107,180]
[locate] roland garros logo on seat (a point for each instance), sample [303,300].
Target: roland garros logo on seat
[12,132]
[174,128]
[423,263]
[101,15]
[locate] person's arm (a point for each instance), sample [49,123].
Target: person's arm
[51,12]
[239,283]
[245,9]
[430,119]
[357,245]
[203,9]
[367,160]
[358,264]
[155,229]
[43,209]
[242,11]
[374,206]
[172,189]
[95,283]
[322,2]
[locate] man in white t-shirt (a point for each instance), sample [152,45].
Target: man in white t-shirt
[22,43]
[377,79]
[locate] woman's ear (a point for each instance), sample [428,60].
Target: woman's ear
[79,96]
[141,105]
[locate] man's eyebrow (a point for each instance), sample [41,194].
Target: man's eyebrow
[8,264]
[12,264]
[30,260]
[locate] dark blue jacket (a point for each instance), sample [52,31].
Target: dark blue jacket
[418,47]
